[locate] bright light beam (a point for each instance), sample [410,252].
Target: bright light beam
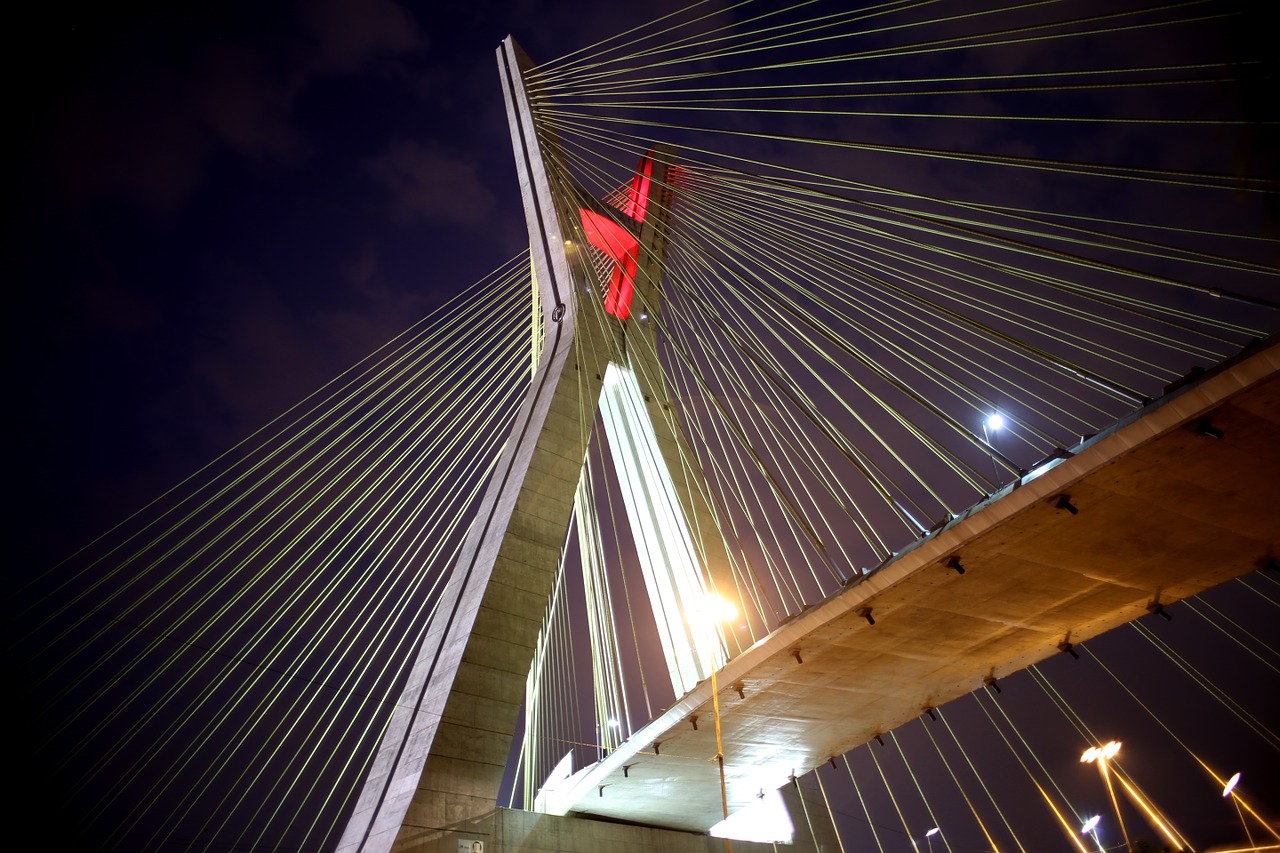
[1175,838]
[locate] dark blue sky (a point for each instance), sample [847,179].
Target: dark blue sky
[218,206]
[215,207]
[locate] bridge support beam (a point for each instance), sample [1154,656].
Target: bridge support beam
[441,761]
[434,783]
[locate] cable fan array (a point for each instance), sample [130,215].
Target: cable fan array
[887,225]
[273,600]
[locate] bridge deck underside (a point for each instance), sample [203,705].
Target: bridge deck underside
[1164,513]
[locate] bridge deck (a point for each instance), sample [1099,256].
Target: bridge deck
[1163,513]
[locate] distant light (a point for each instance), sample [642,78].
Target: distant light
[1231,785]
[995,421]
[568,242]
[1090,824]
[1110,749]
[932,832]
[613,723]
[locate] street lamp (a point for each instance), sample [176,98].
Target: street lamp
[721,611]
[1091,828]
[1101,755]
[927,838]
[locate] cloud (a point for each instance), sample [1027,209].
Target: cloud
[359,271]
[145,127]
[432,182]
[245,104]
[149,148]
[347,33]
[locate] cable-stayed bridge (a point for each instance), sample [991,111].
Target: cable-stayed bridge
[778,372]
[826,681]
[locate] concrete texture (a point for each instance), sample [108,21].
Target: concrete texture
[441,761]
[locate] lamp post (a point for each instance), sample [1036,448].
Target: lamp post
[1091,828]
[927,838]
[724,791]
[1101,755]
[1229,792]
[723,612]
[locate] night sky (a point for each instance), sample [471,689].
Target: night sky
[216,207]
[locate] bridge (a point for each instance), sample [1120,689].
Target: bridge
[764,381]
[1037,578]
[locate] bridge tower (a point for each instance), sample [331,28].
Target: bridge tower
[434,783]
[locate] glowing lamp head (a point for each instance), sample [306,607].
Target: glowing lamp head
[1104,753]
[720,610]
[995,421]
[613,723]
[932,832]
[1231,785]
[1090,825]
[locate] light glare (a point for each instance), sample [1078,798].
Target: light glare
[1105,752]
[766,821]
[721,610]
[1231,785]
[995,421]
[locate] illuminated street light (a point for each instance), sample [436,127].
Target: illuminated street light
[1105,752]
[1101,755]
[1245,811]
[995,421]
[927,838]
[720,611]
[1090,828]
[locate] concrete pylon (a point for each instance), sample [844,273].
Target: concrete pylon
[441,761]
[434,782]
